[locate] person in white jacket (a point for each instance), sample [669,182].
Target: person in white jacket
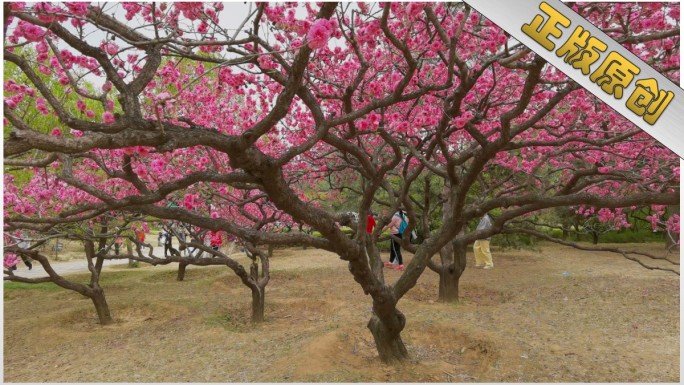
[483,256]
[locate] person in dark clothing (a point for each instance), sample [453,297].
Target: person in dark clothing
[168,246]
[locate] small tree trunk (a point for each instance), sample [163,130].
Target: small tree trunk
[258,303]
[258,293]
[100,302]
[270,251]
[595,237]
[389,344]
[448,284]
[181,271]
[450,274]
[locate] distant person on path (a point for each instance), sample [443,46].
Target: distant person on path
[168,245]
[117,245]
[181,239]
[370,223]
[216,240]
[24,244]
[370,226]
[483,257]
[140,234]
[396,226]
[160,237]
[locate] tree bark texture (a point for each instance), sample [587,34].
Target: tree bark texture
[450,273]
[258,303]
[388,340]
[181,271]
[101,306]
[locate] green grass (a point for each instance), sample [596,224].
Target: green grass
[229,322]
[45,286]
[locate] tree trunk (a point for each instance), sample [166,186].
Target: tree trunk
[270,251]
[595,237]
[100,302]
[258,294]
[181,271]
[389,344]
[448,284]
[450,274]
[258,303]
[101,247]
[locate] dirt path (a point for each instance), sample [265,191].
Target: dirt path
[75,266]
[63,268]
[605,320]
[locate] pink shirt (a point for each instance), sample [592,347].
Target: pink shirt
[394,225]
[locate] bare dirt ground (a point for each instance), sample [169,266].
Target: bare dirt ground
[606,320]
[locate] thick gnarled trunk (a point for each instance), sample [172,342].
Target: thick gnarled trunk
[387,336]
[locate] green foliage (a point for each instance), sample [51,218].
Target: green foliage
[628,236]
[384,245]
[515,241]
[621,236]
[27,110]
[347,230]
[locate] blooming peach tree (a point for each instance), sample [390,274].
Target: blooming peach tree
[294,97]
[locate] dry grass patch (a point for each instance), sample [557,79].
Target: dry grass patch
[607,320]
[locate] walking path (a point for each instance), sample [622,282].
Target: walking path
[68,267]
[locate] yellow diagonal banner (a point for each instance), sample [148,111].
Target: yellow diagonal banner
[598,63]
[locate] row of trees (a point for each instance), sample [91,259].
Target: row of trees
[163,111]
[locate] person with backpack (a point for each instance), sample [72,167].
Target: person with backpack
[396,226]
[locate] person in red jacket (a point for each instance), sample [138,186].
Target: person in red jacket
[370,223]
[140,234]
[216,240]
